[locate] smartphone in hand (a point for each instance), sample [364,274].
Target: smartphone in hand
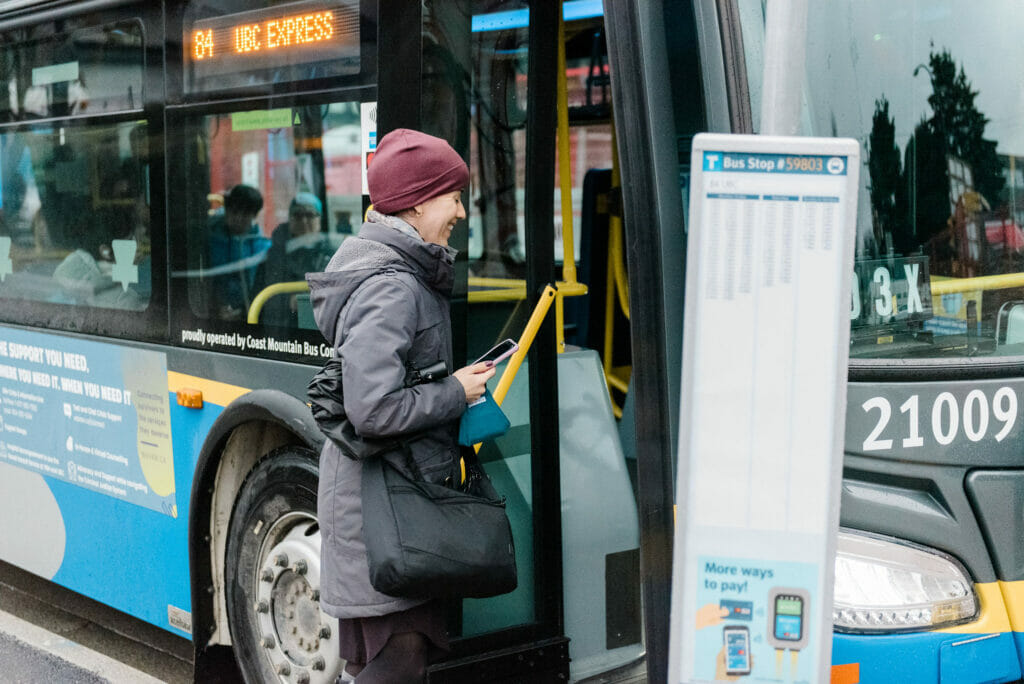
[499,352]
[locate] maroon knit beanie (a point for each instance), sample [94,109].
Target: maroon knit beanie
[410,167]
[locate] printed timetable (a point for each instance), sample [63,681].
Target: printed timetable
[768,263]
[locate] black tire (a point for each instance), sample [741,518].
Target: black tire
[272,575]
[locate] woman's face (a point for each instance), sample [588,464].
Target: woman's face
[438,217]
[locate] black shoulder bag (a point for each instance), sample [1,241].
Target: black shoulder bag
[423,540]
[427,540]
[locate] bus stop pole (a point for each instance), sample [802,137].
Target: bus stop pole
[785,47]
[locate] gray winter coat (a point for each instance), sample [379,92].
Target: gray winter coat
[383,302]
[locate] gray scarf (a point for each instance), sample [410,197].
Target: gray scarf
[401,226]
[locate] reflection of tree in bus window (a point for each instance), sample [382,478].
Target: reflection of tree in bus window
[939,203]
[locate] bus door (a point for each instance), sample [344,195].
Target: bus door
[430,87]
[484,76]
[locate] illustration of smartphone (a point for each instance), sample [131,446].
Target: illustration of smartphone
[737,649]
[499,352]
[789,617]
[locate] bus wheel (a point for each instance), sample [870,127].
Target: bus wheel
[272,575]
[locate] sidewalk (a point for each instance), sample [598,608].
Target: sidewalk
[31,654]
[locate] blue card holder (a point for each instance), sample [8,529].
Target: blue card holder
[482,421]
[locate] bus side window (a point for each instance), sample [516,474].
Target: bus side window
[275,194]
[73,242]
[74,191]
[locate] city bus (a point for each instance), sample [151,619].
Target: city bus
[157,160]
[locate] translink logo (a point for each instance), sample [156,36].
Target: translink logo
[711,161]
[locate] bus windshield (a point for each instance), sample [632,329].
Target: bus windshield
[940,245]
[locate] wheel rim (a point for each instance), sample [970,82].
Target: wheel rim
[299,644]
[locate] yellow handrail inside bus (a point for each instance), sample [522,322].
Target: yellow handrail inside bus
[565,161]
[565,288]
[525,342]
[616,253]
[269,291]
[509,294]
[617,287]
[992,282]
[481,281]
[565,189]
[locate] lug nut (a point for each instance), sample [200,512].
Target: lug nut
[284,669]
[316,594]
[267,575]
[318,663]
[302,677]
[300,567]
[325,632]
[281,560]
[267,641]
[262,606]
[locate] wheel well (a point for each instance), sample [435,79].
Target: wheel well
[247,430]
[245,446]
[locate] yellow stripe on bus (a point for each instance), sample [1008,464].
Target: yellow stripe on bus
[993,617]
[219,393]
[1013,599]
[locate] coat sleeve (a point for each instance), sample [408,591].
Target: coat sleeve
[380,327]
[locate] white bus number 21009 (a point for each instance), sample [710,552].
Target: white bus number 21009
[947,418]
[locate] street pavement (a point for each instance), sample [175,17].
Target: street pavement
[30,654]
[22,663]
[49,634]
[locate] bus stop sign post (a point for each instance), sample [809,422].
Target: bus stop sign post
[765,349]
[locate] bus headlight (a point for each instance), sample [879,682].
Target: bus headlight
[883,585]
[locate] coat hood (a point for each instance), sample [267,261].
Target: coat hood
[380,246]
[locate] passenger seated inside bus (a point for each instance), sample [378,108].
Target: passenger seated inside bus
[297,247]
[233,238]
[107,274]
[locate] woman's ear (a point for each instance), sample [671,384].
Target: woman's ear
[411,214]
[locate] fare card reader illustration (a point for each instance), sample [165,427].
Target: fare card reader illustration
[788,609]
[737,649]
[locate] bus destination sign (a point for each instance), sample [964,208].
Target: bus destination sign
[295,34]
